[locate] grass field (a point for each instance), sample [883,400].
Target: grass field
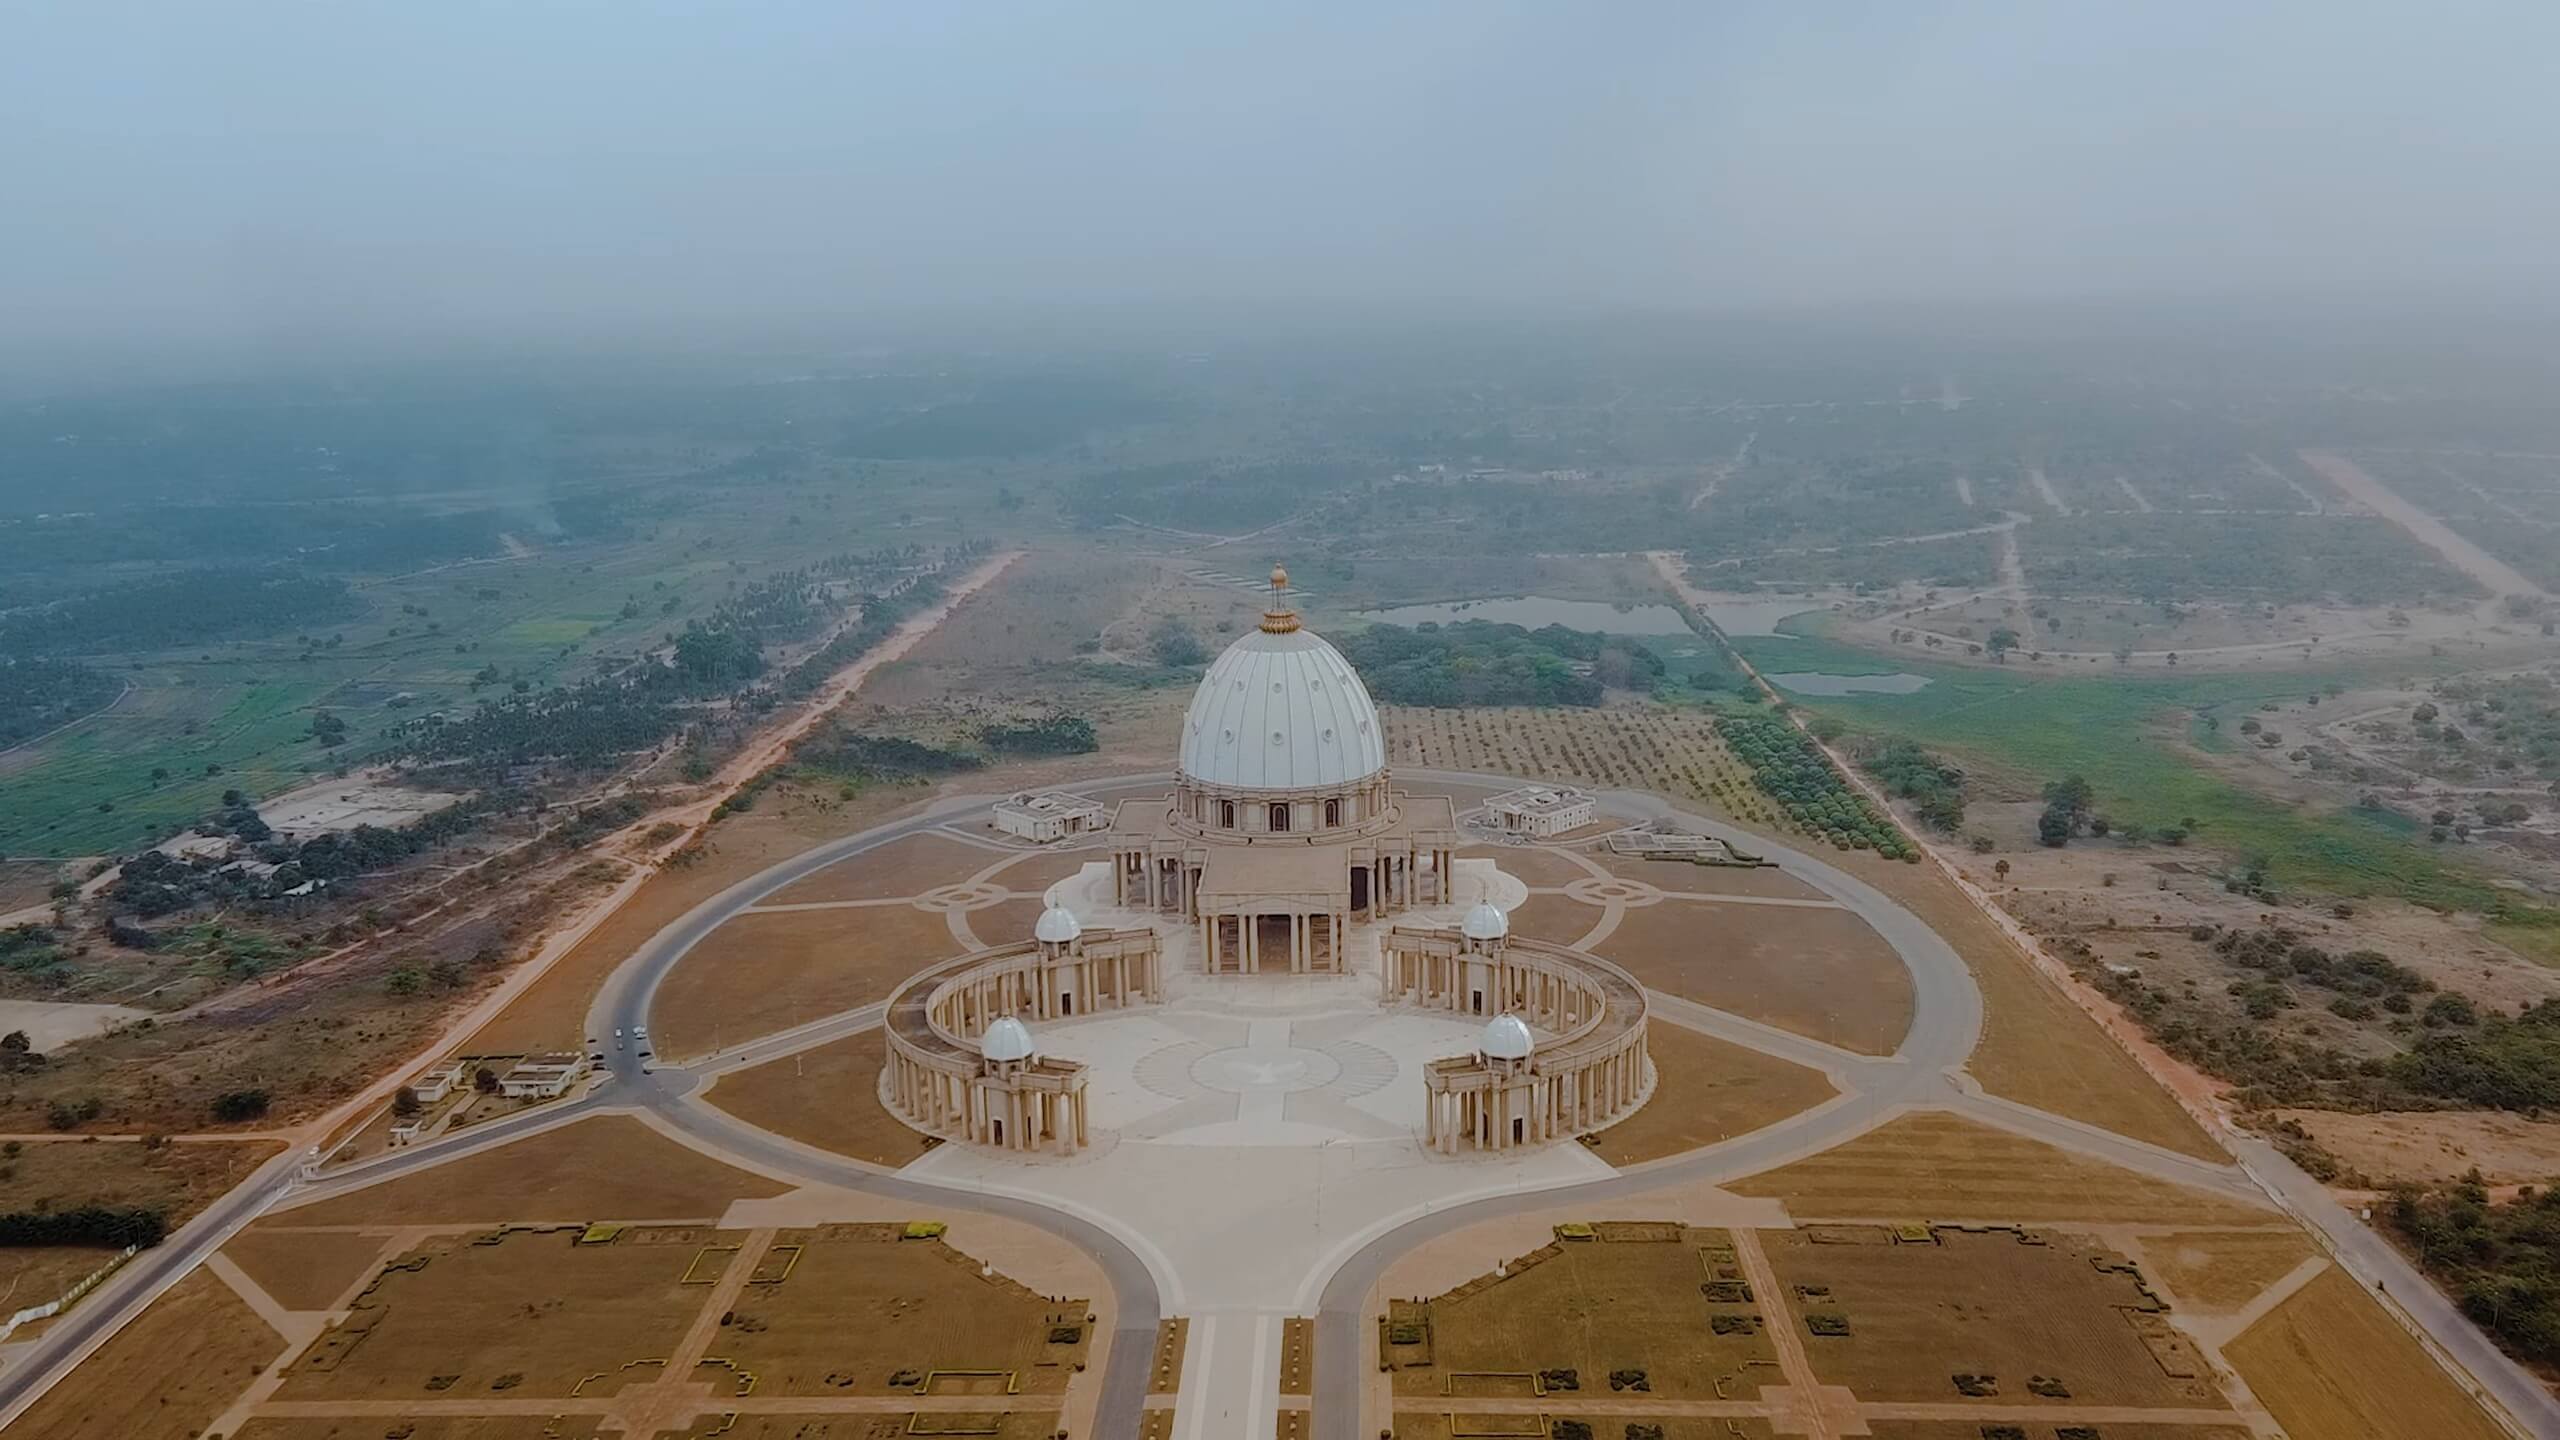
[765,972]
[1592,1307]
[2222,1272]
[176,1179]
[1929,1165]
[303,1269]
[1706,1090]
[2328,1362]
[609,1167]
[1985,1304]
[2124,731]
[163,1377]
[828,1097]
[1820,973]
[860,1305]
[531,1315]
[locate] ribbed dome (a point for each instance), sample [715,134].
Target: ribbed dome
[1057,925]
[1009,1039]
[1506,1037]
[1485,922]
[1281,711]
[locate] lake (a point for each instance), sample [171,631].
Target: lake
[1537,611]
[1815,682]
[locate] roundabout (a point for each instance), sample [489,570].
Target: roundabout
[1277,1029]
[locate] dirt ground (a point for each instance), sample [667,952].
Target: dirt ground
[163,1377]
[1972,1430]
[859,1305]
[828,1096]
[1594,1307]
[2506,1149]
[1706,1090]
[2328,1362]
[1557,919]
[2038,1047]
[306,1270]
[531,1315]
[1930,1165]
[2218,1273]
[1920,1314]
[765,972]
[1819,973]
[609,1167]
[177,1178]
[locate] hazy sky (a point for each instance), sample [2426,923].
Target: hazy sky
[266,168]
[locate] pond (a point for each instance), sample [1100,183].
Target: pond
[1536,611]
[1815,682]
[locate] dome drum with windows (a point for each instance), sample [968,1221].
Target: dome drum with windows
[1283,827]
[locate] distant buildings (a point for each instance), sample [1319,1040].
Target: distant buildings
[1044,816]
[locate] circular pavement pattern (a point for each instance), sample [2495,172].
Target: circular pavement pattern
[1633,894]
[1258,1070]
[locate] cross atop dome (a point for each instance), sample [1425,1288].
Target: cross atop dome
[1279,619]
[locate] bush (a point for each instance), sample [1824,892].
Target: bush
[234,1106]
[95,1225]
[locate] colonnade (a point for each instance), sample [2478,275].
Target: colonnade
[936,1078]
[1591,1072]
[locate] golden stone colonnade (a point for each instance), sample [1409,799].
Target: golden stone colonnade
[939,1079]
[1592,1073]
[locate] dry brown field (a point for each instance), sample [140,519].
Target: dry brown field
[1930,1165]
[1412,1424]
[178,1178]
[2217,1273]
[530,1316]
[165,1376]
[1706,1090]
[909,866]
[2038,1047]
[1554,919]
[1819,973]
[306,1270]
[1594,1307]
[431,1427]
[861,1305]
[1985,1304]
[2437,1145]
[1008,1425]
[761,973]
[608,1167]
[827,1096]
[552,1012]
[36,1274]
[1005,923]
[2328,1363]
[2110,1431]
[1534,865]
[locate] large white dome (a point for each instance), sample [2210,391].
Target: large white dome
[1281,711]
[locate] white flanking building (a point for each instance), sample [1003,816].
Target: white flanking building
[1541,812]
[543,1077]
[1047,816]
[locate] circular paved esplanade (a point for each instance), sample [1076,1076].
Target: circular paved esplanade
[1247,1031]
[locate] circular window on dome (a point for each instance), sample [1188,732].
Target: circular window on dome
[1277,687]
[1316,684]
[1279,739]
[1364,727]
[1226,737]
[1328,737]
[1239,684]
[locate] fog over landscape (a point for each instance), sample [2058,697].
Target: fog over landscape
[1114,721]
[264,170]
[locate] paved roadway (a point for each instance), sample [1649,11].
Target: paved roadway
[1924,1071]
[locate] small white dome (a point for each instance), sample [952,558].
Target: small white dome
[1506,1037]
[1485,922]
[1057,925]
[1009,1039]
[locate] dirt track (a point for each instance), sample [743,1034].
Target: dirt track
[2427,530]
